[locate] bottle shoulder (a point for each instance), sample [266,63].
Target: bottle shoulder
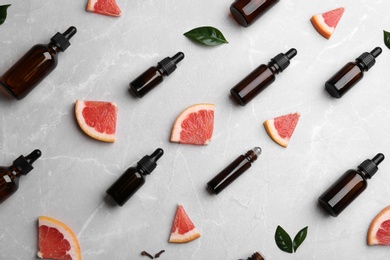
[357,174]
[40,46]
[355,66]
[138,171]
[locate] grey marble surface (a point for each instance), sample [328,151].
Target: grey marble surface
[281,188]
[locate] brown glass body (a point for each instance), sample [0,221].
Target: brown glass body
[9,182]
[256,256]
[126,185]
[344,79]
[231,172]
[245,12]
[345,190]
[248,88]
[30,70]
[147,81]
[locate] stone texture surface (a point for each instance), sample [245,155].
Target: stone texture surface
[281,188]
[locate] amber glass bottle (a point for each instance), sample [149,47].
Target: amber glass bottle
[256,256]
[9,176]
[35,65]
[154,75]
[133,178]
[247,11]
[349,186]
[259,79]
[351,73]
[233,170]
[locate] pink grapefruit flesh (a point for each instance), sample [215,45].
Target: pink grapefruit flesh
[195,125]
[97,119]
[326,23]
[105,7]
[281,128]
[56,240]
[379,230]
[183,230]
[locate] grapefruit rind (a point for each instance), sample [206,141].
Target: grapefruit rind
[271,130]
[177,126]
[273,133]
[375,225]
[90,131]
[185,238]
[91,8]
[65,231]
[182,218]
[322,26]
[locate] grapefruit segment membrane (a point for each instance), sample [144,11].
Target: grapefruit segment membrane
[56,240]
[281,128]
[97,119]
[105,7]
[183,230]
[195,125]
[326,23]
[379,230]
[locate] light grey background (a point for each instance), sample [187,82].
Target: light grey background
[282,187]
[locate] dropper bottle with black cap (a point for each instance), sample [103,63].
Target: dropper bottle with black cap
[35,65]
[349,186]
[133,178]
[263,76]
[154,75]
[9,176]
[351,73]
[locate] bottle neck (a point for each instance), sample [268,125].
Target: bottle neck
[251,156]
[160,70]
[274,67]
[141,170]
[363,174]
[10,173]
[53,49]
[361,65]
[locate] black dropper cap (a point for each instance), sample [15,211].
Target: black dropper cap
[368,59]
[148,162]
[24,164]
[371,166]
[283,60]
[168,65]
[61,40]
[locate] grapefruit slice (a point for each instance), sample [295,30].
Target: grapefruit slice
[281,128]
[326,23]
[97,119]
[195,125]
[379,230]
[57,240]
[105,7]
[183,230]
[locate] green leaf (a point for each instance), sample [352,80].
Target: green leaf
[283,240]
[299,238]
[387,38]
[206,35]
[3,13]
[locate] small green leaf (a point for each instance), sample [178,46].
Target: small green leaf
[299,238]
[3,13]
[283,240]
[206,35]
[387,38]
